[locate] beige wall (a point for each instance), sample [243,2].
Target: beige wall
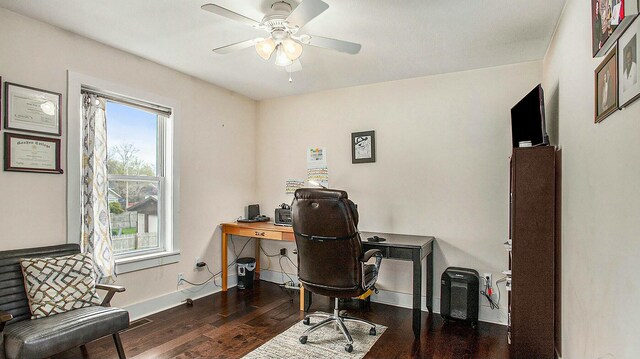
[442,169]
[216,127]
[601,193]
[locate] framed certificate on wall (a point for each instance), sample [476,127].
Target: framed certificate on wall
[31,154]
[32,110]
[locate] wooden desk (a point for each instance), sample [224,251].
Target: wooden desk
[257,230]
[414,249]
[397,246]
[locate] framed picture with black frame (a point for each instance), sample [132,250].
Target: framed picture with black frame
[606,87]
[24,153]
[363,147]
[30,109]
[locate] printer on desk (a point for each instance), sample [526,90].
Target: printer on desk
[283,215]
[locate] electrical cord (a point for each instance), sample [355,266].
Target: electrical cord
[269,256]
[213,276]
[237,255]
[282,268]
[492,304]
[293,264]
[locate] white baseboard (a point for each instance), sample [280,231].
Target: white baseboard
[276,277]
[397,299]
[170,300]
[403,300]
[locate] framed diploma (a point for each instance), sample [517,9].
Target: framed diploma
[31,109]
[31,154]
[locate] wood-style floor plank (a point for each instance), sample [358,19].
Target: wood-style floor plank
[230,325]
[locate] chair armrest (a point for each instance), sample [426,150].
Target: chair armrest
[4,318]
[373,253]
[111,290]
[365,258]
[370,253]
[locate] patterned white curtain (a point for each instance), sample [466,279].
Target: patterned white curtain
[96,227]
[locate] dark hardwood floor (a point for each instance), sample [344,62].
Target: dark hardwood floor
[233,324]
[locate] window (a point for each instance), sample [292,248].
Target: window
[136,175]
[142,163]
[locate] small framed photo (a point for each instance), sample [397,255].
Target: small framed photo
[606,87]
[31,154]
[32,110]
[363,147]
[628,65]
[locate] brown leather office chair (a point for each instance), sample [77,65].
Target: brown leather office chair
[330,257]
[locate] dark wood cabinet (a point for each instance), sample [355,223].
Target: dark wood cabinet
[533,233]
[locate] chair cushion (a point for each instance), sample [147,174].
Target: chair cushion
[60,284]
[38,338]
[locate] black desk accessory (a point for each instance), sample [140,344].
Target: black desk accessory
[253,215]
[283,215]
[376,239]
[259,218]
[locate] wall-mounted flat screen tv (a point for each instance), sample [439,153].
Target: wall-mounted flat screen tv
[527,120]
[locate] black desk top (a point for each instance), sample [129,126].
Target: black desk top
[398,240]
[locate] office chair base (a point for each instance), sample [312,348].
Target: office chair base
[339,321]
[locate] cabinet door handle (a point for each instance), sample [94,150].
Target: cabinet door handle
[260,234]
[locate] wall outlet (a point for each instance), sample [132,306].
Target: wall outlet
[180,278]
[195,265]
[488,279]
[283,251]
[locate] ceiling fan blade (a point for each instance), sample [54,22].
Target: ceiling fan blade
[235,47]
[294,67]
[219,10]
[306,11]
[328,43]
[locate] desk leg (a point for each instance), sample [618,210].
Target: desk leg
[417,291]
[224,262]
[257,270]
[430,275]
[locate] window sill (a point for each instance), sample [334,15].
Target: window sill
[146,261]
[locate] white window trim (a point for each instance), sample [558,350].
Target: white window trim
[75,81]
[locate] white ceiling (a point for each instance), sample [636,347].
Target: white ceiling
[400,38]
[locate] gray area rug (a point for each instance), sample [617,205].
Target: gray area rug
[325,342]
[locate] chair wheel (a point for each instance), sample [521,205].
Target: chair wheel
[372,331]
[303,340]
[348,348]
[306,321]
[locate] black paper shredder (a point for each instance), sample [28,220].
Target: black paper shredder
[459,297]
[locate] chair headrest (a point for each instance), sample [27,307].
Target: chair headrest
[320,193]
[331,195]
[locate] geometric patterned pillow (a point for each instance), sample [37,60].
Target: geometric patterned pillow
[60,284]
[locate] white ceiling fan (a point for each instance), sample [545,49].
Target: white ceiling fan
[283,25]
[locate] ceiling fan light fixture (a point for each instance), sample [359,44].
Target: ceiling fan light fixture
[281,56]
[292,49]
[265,48]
